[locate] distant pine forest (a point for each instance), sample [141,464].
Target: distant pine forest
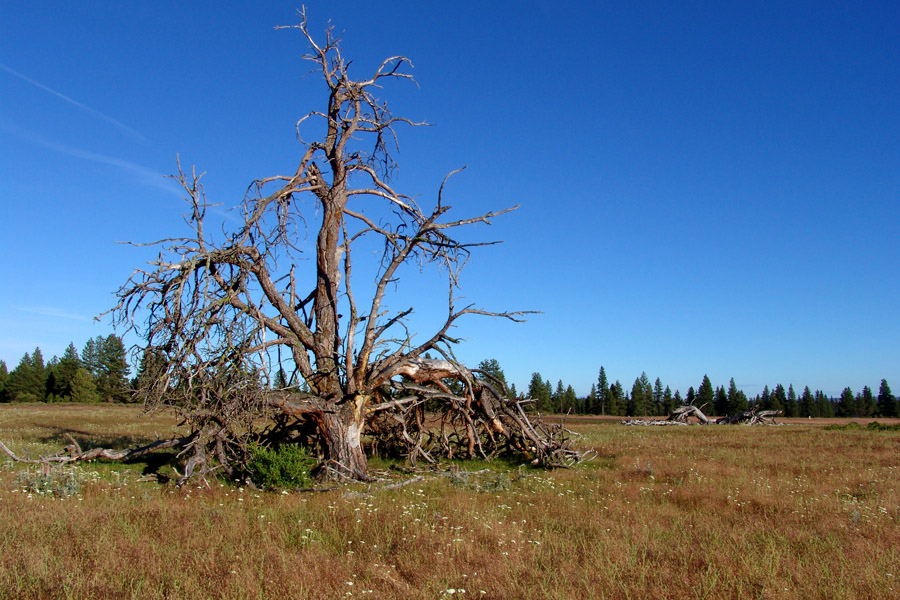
[100,373]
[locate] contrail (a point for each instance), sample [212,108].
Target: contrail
[46,311]
[96,113]
[144,175]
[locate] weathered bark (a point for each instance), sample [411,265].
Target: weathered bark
[682,414]
[341,433]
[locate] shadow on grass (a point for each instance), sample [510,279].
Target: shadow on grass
[88,440]
[149,464]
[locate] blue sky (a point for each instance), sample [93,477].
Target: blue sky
[705,187]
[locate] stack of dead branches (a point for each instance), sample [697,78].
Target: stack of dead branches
[683,414]
[443,410]
[754,416]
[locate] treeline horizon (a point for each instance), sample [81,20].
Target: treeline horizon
[655,399]
[647,399]
[99,373]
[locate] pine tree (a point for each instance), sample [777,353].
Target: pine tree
[641,399]
[280,382]
[617,401]
[90,356]
[26,383]
[678,399]
[737,399]
[705,395]
[778,398]
[569,400]
[623,398]
[50,381]
[592,402]
[82,387]
[647,394]
[492,367]
[790,405]
[603,392]
[537,391]
[807,406]
[720,403]
[669,403]
[4,375]
[150,369]
[658,408]
[112,378]
[824,405]
[40,373]
[732,398]
[691,398]
[887,403]
[847,404]
[65,372]
[865,403]
[765,400]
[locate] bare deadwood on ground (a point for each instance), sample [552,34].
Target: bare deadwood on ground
[73,453]
[754,416]
[682,415]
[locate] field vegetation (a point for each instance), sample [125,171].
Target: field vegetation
[795,511]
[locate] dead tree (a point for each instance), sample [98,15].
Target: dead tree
[221,316]
[754,416]
[682,414]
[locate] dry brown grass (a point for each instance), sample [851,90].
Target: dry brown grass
[692,512]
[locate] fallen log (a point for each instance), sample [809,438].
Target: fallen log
[73,452]
[682,415]
[754,416]
[653,422]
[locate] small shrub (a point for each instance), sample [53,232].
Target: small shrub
[876,426]
[286,466]
[851,426]
[872,426]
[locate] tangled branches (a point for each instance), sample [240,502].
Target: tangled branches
[443,410]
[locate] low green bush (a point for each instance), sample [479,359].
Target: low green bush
[876,426]
[282,467]
[872,426]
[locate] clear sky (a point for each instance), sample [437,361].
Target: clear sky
[705,187]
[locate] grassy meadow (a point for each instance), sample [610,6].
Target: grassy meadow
[794,511]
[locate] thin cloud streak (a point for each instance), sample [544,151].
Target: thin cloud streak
[46,311]
[119,125]
[144,175]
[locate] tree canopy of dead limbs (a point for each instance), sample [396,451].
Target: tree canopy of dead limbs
[222,317]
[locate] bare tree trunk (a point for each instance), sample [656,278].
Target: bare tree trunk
[341,433]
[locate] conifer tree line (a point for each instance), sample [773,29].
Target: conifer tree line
[98,374]
[653,399]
